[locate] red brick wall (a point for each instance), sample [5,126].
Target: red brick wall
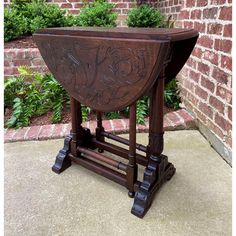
[13,58]
[171,7]
[206,79]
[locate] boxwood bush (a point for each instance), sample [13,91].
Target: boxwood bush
[42,15]
[145,16]
[25,17]
[98,13]
[14,24]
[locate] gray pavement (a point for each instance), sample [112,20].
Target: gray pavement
[196,201]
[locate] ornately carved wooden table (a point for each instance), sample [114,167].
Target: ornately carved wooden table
[108,70]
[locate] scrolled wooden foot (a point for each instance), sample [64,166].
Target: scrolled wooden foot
[62,161]
[158,171]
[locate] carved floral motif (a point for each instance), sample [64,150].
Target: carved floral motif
[98,72]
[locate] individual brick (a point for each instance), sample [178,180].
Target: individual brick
[201,93]
[58,131]
[118,125]
[73,11]
[226,13]
[220,75]
[167,124]
[38,62]
[215,129]
[192,63]
[229,113]
[176,121]
[207,84]
[196,14]
[20,54]
[46,132]
[21,134]
[121,5]
[228,30]
[214,28]
[188,24]
[205,41]
[218,2]
[195,76]
[73,1]
[33,133]
[222,122]
[210,13]
[211,57]
[18,63]
[8,136]
[197,52]
[200,116]
[202,3]
[107,125]
[185,14]
[226,62]
[205,109]
[223,45]
[217,104]
[190,3]
[200,27]
[66,5]
[224,93]
[67,129]
[203,68]
[189,120]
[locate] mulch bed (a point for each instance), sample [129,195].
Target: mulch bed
[46,118]
[23,42]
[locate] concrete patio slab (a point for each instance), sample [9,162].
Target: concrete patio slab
[196,201]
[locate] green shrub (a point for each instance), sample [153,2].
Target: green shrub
[98,13]
[142,109]
[19,4]
[25,17]
[33,94]
[15,25]
[42,15]
[112,115]
[72,20]
[171,95]
[145,16]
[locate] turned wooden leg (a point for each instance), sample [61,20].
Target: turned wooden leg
[132,168]
[158,169]
[76,121]
[99,129]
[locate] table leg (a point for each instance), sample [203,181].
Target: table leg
[158,169]
[99,130]
[132,168]
[76,121]
[72,140]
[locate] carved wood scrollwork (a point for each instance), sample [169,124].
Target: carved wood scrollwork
[100,74]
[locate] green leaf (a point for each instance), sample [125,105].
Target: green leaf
[145,16]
